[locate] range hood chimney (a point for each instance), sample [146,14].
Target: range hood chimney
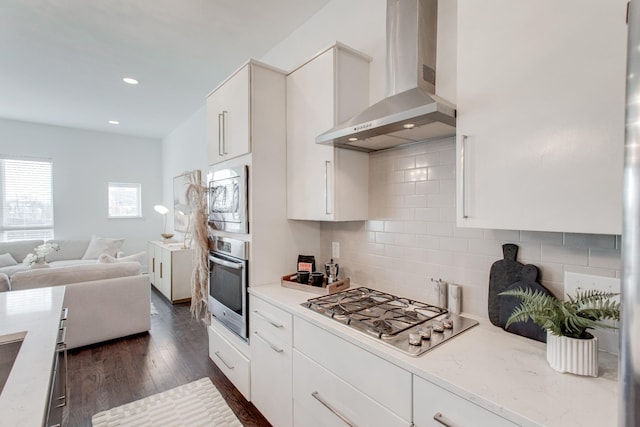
[411,111]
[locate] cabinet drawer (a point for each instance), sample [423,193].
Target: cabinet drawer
[431,402]
[270,321]
[230,361]
[321,398]
[383,381]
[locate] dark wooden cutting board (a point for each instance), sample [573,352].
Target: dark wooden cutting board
[503,274]
[508,303]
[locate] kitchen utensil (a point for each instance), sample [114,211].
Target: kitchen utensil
[303,277]
[332,269]
[317,278]
[508,303]
[503,274]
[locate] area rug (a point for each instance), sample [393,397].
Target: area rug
[154,310]
[198,403]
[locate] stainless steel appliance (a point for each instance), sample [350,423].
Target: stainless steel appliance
[411,111]
[411,326]
[58,383]
[228,279]
[228,200]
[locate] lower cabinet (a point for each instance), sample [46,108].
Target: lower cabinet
[334,380]
[323,399]
[231,361]
[434,406]
[271,362]
[170,268]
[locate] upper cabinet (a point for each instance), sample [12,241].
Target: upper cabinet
[230,109]
[540,127]
[326,183]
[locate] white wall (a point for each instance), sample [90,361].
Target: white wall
[84,162]
[183,150]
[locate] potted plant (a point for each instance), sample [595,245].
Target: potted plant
[570,347]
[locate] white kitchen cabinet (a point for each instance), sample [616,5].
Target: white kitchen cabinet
[323,399]
[231,108]
[271,361]
[434,406]
[170,268]
[382,389]
[540,114]
[224,351]
[326,183]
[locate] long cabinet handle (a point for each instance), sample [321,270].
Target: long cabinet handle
[267,342]
[264,317]
[327,211]
[439,418]
[161,269]
[463,170]
[327,405]
[224,132]
[217,353]
[220,134]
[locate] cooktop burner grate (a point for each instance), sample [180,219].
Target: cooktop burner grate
[388,317]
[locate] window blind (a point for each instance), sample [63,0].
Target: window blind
[27,199]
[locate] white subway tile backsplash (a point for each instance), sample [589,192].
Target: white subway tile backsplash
[413,236]
[427,159]
[604,258]
[601,241]
[440,228]
[413,175]
[428,187]
[417,201]
[541,237]
[441,200]
[564,254]
[441,172]
[427,214]
[403,163]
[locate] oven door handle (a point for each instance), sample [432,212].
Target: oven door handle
[234,265]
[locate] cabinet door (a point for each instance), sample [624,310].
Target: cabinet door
[154,264]
[165,272]
[310,111]
[323,399]
[228,118]
[434,407]
[540,105]
[326,183]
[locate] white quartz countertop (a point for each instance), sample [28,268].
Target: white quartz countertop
[36,312]
[499,371]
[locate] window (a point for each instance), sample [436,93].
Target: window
[26,202]
[124,200]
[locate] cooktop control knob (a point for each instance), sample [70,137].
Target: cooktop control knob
[438,326]
[415,339]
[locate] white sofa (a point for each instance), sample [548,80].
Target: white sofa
[105,301]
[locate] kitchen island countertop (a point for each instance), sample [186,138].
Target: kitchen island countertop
[504,373]
[36,312]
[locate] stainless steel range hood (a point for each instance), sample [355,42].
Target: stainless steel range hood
[411,111]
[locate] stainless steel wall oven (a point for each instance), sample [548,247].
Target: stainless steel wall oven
[228,280]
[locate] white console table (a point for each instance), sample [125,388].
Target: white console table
[170,269]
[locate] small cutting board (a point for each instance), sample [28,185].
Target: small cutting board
[508,303]
[503,274]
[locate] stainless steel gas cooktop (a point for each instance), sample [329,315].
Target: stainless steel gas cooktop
[413,327]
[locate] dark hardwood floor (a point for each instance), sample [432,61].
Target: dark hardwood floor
[173,353]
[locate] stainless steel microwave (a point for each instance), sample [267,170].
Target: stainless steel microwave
[228,200]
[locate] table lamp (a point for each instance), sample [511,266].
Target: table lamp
[162,210]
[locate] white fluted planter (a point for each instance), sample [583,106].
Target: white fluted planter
[576,356]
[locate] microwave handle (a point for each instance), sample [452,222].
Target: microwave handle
[233,265]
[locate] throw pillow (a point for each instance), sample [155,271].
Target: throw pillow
[7,260]
[138,257]
[100,245]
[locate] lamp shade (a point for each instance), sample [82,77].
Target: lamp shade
[162,210]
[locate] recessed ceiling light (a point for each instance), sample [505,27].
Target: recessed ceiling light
[409,125]
[130,80]
[114,122]
[353,139]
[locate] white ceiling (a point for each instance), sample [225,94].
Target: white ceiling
[62,61]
